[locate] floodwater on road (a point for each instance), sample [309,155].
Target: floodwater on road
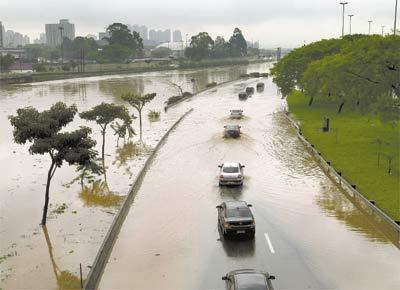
[79,216]
[308,232]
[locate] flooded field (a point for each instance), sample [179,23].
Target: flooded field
[79,214]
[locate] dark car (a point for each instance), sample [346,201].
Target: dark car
[250,90]
[232,131]
[243,96]
[260,87]
[248,279]
[235,219]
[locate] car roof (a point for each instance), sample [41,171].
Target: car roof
[231,164]
[251,281]
[236,203]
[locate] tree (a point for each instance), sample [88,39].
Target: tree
[138,102]
[43,130]
[121,35]
[5,62]
[123,130]
[103,115]
[221,48]
[200,46]
[237,43]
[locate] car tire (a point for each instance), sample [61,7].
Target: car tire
[226,236]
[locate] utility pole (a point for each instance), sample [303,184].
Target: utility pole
[395,19]
[369,26]
[350,16]
[343,4]
[62,40]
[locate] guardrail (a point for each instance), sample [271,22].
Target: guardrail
[104,252]
[391,228]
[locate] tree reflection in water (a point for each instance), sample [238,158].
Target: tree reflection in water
[65,279]
[356,215]
[98,194]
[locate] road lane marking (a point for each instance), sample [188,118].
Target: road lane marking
[271,248]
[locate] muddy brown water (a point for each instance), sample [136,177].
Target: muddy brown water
[79,216]
[308,233]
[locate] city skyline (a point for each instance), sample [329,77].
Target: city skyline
[272,23]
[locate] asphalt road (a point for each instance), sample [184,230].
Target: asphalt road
[308,233]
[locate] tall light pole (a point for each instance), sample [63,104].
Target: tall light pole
[62,40]
[369,26]
[343,4]
[395,19]
[350,16]
[383,29]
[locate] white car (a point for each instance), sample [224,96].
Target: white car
[231,173]
[236,114]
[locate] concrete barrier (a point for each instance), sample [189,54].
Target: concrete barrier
[104,252]
[387,224]
[199,92]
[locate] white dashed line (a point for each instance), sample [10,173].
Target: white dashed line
[271,248]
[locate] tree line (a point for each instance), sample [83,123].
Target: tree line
[361,72]
[203,46]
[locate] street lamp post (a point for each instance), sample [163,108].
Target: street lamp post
[395,19]
[369,26]
[62,47]
[350,16]
[343,4]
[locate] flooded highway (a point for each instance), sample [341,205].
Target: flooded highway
[308,233]
[79,215]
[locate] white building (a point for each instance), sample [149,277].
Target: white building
[176,36]
[56,32]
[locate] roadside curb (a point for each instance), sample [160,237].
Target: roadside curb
[356,197]
[199,92]
[106,247]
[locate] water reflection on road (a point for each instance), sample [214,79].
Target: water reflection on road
[309,233]
[88,209]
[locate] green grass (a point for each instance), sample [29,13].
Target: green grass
[351,146]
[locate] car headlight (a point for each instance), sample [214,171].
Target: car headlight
[221,176]
[226,225]
[253,222]
[239,176]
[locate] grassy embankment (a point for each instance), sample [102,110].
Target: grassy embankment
[55,72]
[352,146]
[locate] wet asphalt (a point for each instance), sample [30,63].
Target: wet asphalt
[308,233]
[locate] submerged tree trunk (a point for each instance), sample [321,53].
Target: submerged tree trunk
[140,123]
[47,195]
[340,107]
[103,132]
[310,101]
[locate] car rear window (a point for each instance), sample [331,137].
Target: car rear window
[239,212]
[229,127]
[230,169]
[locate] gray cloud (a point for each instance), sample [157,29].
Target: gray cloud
[286,23]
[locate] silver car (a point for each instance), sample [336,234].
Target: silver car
[231,173]
[236,114]
[245,279]
[232,131]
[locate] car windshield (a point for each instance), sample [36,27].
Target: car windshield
[230,169]
[238,212]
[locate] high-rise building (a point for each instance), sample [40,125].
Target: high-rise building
[1,35]
[177,36]
[12,39]
[56,32]
[153,35]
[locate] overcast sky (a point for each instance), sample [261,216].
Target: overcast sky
[285,23]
